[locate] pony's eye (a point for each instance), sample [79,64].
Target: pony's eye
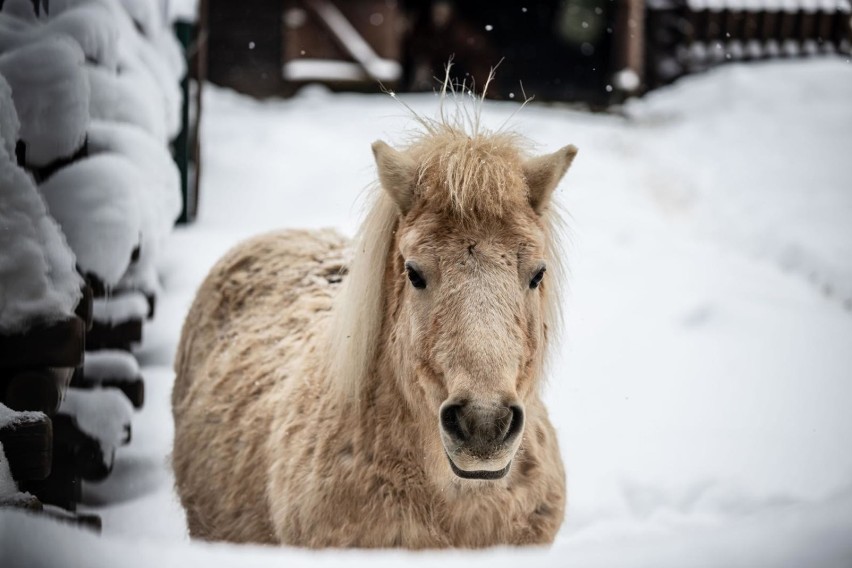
[536,280]
[414,276]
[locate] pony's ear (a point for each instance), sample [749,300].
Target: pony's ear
[397,172]
[543,174]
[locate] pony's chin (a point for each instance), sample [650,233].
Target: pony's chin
[482,474]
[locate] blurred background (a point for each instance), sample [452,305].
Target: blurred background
[701,388]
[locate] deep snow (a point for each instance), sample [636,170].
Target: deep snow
[702,388]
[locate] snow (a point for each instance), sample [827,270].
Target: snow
[729,199]
[146,14]
[171,51]
[113,364]
[12,418]
[183,10]
[96,202]
[127,98]
[8,487]
[148,72]
[92,28]
[51,95]
[23,10]
[38,279]
[334,70]
[160,191]
[627,80]
[162,178]
[10,126]
[120,308]
[89,25]
[104,414]
[701,387]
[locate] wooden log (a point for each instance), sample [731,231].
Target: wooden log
[84,453]
[769,26]
[842,29]
[133,389]
[56,344]
[751,25]
[76,456]
[115,369]
[34,389]
[28,445]
[63,487]
[807,26]
[114,336]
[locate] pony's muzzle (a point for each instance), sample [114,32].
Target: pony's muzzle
[480,439]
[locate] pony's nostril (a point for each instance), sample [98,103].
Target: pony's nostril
[516,423]
[452,423]
[481,428]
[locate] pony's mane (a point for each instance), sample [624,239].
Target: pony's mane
[457,157]
[455,166]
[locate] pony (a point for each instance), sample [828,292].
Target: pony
[384,392]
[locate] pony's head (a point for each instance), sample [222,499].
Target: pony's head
[462,235]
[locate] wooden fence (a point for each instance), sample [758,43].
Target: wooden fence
[687,36]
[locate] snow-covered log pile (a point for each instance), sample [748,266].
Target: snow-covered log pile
[41,339]
[37,272]
[98,95]
[90,100]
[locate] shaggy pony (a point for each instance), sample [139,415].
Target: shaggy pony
[384,393]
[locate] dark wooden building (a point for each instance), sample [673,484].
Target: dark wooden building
[593,51]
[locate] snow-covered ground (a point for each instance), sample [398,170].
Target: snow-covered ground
[703,387]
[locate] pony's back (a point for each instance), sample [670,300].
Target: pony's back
[255,315]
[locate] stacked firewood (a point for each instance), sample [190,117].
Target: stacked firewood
[89,102]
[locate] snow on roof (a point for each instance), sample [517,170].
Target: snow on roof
[95,200]
[51,95]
